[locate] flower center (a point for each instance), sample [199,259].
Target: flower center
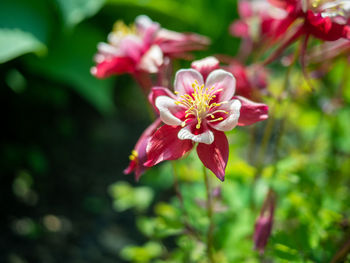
[199,104]
[338,10]
[122,30]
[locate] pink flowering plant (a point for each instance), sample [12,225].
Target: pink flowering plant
[223,106]
[175,131]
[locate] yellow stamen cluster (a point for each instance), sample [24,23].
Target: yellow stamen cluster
[121,28]
[332,8]
[134,155]
[199,104]
[316,3]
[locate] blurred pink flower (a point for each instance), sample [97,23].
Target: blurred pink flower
[142,48]
[251,80]
[327,20]
[256,19]
[129,50]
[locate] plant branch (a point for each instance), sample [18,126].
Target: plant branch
[210,233]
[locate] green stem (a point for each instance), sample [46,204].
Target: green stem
[186,222]
[210,233]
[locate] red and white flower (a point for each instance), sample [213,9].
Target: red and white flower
[199,112]
[141,48]
[129,50]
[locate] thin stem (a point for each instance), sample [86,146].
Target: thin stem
[210,233]
[283,46]
[176,186]
[188,226]
[342,252]
[344,81]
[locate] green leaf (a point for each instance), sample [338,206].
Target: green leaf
[24,27]
[286,253]
[15,42]
[75,11]
[142,253]
[125,196]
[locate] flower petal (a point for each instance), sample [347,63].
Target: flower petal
[221,79]
[251,112]
[159,91]
[116,65]
[207,137]
[151,60]
[245,9]
[133,47]
[143,22]
[239,29]
[167,110]
[205,65]
[233,109]
[164,145]
[139,155]
[215,156]
[185,78]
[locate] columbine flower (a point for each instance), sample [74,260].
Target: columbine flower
[129,50]
[199,112]
[263,224]
[142,48]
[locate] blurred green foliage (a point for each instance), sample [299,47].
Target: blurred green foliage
[67,138]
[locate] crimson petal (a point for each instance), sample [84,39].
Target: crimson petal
[215,156]
[159,91]
[117,65]
[136,164]
[165,145]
